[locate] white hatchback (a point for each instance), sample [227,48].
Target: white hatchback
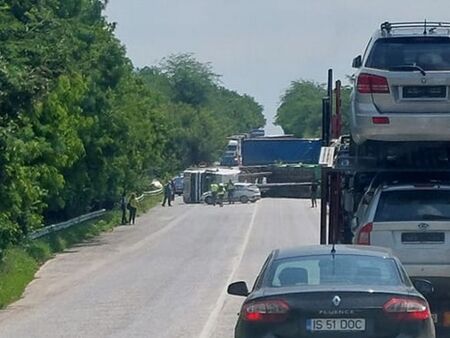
[413,221]
[243,192]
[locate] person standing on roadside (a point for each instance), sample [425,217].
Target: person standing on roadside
[167,194]
[230,190]
[133,205]
[214,188]
[123,207]
[221,194]
[313,194]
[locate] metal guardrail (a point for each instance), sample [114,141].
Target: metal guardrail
[64,225]
[149,193]
[77,220]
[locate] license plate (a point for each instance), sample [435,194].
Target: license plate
[423,237]
[336,324]
[414,92]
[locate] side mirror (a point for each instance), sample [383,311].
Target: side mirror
[357,62]
[423,286]
[238,289]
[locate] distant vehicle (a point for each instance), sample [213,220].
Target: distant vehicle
[232,146]
[402,83]
[179,184]
[413,221]
[198,180]
[229,160]
[312,291]
[231,156]
[243,192]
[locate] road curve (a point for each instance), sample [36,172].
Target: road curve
[165,277]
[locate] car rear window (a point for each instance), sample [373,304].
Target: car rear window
[425,52]
[328,269]
[413,205]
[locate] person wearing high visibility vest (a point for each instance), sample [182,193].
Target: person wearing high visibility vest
[214,189]
[221,194]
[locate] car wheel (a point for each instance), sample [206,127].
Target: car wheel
[243,199]
[208,200]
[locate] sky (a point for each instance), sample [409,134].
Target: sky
[260,46]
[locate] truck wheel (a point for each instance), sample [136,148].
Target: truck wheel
[208,200]
[243,199]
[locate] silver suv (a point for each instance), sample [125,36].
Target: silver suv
[401,90]
[414,221]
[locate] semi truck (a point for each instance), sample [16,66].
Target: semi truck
[279,149]
[353,178]
[382,183]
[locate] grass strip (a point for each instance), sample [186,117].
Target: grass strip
[19,264]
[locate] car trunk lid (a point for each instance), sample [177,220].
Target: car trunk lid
[412,92]
[416,242]
[416,69]
[324,313]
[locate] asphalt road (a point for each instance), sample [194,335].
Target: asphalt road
[165,277]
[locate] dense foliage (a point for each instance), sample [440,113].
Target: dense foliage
[300,111]
[202,113]
[78,125]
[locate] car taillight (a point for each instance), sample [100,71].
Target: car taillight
[407,309]
[265,311]
[369,83]
[380,120]
[364,234]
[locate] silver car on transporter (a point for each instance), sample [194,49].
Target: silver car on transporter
[412,220]
[401,90]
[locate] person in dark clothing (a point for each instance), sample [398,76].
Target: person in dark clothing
[230,190]
[133,205]
[123,207]
[313,194]
[167,194]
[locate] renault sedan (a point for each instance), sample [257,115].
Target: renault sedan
[326,291]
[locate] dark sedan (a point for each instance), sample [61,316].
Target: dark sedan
[324,292]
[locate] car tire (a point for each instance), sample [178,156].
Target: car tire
[208,200]
[243,199]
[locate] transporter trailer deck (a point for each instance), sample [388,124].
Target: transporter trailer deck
[349,170]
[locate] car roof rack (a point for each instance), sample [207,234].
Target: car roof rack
[428,26]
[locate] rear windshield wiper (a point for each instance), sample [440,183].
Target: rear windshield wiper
[429,217]
[407,68]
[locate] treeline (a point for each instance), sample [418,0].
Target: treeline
[300,110]
[79,125]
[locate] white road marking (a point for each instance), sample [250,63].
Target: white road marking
[212,319]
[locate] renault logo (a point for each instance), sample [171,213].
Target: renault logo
[424,80]
[423,226]
[336,300]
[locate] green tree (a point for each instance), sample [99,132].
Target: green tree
[300,111]
[201,113]
[79,125]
